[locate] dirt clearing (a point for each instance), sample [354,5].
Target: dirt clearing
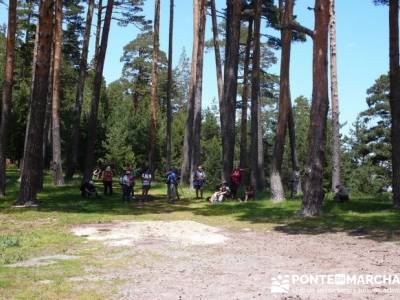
[190,260]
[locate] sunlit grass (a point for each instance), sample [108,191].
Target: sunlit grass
[45,230]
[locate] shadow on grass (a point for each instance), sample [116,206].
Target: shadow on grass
[362,216]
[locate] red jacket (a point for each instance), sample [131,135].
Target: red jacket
[107,175]
[236,176]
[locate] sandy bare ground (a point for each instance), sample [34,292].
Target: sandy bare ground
[189,260]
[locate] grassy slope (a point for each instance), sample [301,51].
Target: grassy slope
[26,233]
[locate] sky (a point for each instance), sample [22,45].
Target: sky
[362,49]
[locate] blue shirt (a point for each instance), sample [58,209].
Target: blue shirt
[171,177]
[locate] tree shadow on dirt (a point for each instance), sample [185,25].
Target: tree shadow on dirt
[364,217]
[368,217]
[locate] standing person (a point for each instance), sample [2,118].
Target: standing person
[172,182]
[126,185]
[236,177]
[146,183]
[199,179]
[107,177]
[132,174]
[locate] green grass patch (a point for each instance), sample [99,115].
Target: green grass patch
[45,230]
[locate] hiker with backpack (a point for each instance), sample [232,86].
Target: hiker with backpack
[107,177]
[172,184]
[132,174]
[126,182]
[146,183]
[199,179]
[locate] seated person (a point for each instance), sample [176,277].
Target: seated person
[341,194]
[222,192]
[97,173]
[249,193]
[88,189]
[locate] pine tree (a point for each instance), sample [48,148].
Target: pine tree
[97,82]
[33,158]
[7,92]
[154,82]
[58,176]
[313,191]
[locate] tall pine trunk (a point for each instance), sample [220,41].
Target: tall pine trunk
[47,129]
[92,124]
[244,155]
[228,109]
[34,57]
[33,158]
[313,191]
[195,156]
[257,151]
[277,191]
[7,92]
[217,52]
[74,150]
[296,179]
[58,176]
[169,84]
[394,97]
[154,83]
[188,137]
[335,99]
[98,30]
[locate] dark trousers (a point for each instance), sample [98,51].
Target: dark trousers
[234,188]
[108,189]
[126,192]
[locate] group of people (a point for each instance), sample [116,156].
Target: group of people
[222,192]
[126,181]
[225,190]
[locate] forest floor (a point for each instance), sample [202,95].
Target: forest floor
[74,248]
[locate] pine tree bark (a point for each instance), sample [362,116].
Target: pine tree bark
[217,51]
[257,151]
[188,137]
[27,60]
[229,93]
[7,92]
[92,124]
[154,83]
[277,191]
[47,129]
[244,151]
[98,30]
[394,97]
[34,59]
[296,179]
[33,159]
[74,150]
[195,156]
[169,84]
[335,100]
[313,191]
[58,176]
